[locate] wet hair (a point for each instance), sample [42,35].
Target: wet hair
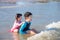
[27,14]
[18,15]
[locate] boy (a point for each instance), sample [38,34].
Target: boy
[25,27]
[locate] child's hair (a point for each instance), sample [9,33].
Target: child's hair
[27,14]
[18,15]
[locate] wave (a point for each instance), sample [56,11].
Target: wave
[48,35]
[54,25]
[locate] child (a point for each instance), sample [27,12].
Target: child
[25,27]
[17,23]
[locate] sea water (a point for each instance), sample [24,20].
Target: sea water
[43,14]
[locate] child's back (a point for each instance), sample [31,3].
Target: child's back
[24,27]
[16,26]
[17,23]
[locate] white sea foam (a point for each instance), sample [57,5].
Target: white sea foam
[54,25]
[48,35]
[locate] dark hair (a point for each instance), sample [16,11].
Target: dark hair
[27,14]
[18,15]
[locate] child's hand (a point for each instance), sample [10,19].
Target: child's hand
[21,23]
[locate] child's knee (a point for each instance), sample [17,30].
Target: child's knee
[16,30]
[32,32]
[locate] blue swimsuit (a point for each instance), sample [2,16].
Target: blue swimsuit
[24,27]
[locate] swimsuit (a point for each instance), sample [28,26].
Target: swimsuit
[15,26]
[24,27]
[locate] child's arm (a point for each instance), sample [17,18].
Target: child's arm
[19,24]
[16,24]
[23,26]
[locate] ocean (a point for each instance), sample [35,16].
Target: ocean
[43,14]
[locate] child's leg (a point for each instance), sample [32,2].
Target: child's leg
[32,32]
[16,30]
[16,36]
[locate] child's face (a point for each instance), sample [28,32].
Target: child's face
[19,18]
[29,18]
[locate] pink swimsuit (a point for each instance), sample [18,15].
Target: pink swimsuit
[16,26]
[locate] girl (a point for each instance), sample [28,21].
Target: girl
[17,23]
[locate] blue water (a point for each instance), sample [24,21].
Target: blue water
[43,14]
